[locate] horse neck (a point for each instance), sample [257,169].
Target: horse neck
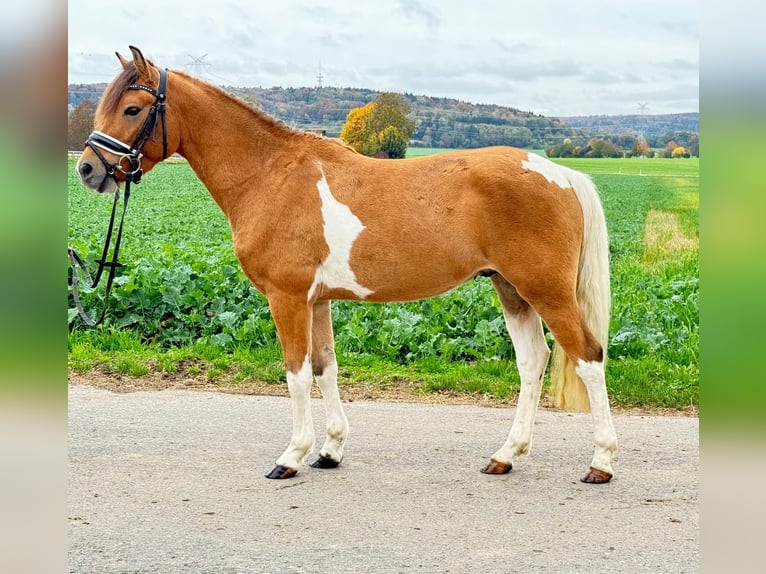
[227,143]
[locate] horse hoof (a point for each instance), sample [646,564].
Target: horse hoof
[281,472]
[325,462]
[495,467]
[596,476]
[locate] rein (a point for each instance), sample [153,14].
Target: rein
[132,153]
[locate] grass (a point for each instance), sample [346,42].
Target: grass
[182,307]
[421,151]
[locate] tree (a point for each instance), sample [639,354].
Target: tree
[393,142]
[383,125]
[602,148]
[80,125]
[680,151]
[564,149]
[642,149]
[668,151]
[391,110]
[355,131]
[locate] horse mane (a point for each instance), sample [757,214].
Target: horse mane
[129,75]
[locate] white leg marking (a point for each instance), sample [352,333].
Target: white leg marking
[532,354]
[604,437]
[551,171]
[302,441]
[337,423]
[341,228]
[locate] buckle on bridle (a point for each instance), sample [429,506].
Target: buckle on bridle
[135,172]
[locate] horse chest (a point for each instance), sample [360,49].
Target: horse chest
[302,248]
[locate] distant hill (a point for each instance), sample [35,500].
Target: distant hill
[651,125]
[439,122]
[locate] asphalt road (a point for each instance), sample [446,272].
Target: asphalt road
[172,481]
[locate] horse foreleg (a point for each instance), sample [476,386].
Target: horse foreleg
[325,369]
[526,331]
[293,321]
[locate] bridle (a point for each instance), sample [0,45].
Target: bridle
[98,141]
[132,152]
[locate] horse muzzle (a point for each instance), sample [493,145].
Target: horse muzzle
[94,175]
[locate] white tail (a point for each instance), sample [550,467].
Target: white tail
[593,295]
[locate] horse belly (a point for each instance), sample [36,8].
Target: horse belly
[408,269]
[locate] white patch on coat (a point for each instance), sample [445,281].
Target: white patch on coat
[549,170]
[341,228]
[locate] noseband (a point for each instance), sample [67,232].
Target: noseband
[132,153]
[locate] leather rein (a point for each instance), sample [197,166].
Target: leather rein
[131,154]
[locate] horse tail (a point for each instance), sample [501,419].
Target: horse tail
[593,295]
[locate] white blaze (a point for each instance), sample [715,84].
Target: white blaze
[341,228]
[549,170]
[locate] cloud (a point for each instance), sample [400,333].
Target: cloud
[679,64]
[683,28]
[416,9]
[516,48]
[553,58]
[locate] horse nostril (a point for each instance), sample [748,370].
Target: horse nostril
[85,169]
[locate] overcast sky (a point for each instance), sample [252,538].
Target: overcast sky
[552,57]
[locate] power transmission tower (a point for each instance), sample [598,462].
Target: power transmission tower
[197,65]
[642,111]
[320,77]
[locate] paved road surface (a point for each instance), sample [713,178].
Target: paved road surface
[172,481]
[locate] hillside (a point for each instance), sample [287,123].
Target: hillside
[439,122]
[651,125]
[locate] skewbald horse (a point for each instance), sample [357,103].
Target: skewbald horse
[313,221]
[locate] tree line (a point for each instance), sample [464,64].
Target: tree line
[670,145]
[435,122]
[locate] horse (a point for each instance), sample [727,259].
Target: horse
[313,221]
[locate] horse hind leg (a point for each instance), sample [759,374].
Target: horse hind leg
[532,353]
[564,319]
[325,369]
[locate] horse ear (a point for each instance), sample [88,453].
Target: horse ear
[123,62]
[139,61]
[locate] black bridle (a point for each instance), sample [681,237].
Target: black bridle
[98,141]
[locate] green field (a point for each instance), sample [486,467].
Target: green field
[421,151]
[182,305]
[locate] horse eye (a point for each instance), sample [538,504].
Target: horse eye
[132,111]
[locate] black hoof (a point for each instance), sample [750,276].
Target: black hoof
[281,472]
[325,462]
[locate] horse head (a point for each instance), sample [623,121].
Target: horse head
[132,127]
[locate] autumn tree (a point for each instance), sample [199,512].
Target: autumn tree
[383,125]
[356,131]
[680,151]
[642,149]
[669,148]
[80,125]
